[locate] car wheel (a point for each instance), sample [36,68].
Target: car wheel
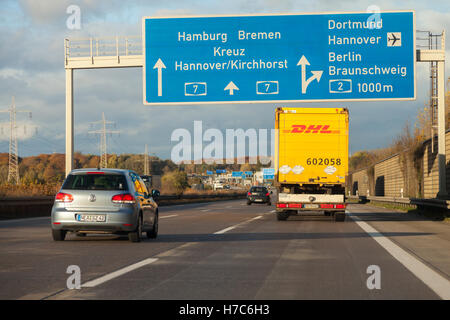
[249,203]
[152,234]
[283,215]
[59,235]
[135,236]
[269,203]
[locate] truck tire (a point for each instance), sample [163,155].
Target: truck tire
[339,216]
[282,215]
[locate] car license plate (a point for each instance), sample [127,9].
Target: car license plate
[311,206]
[91,218]
[258,200]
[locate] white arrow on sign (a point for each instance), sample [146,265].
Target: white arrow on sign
[316,74]
[231,87]
[159,65]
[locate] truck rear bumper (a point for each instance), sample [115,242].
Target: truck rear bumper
[311,207]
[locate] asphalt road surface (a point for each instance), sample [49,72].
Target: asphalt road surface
[228,250]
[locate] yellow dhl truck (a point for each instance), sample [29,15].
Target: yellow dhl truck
[311,160]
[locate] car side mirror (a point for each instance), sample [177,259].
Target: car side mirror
[155,193]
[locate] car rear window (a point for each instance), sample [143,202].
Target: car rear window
[258,189]
[95,182]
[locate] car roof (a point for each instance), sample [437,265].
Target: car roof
[107,170]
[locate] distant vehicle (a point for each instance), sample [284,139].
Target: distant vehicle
[312,161]
[258,195]
[227,186]
[147,180]
[218,185]
[104,201]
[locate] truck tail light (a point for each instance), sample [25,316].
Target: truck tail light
[339,206]
[123,198]
[281,205]
[295,205]
[326,206]
[63,197]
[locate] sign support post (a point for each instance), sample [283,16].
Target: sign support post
[438,56]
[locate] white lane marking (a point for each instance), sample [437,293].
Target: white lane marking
[205,210]
[118,273]
[436,282]
[237,225]
[170,216]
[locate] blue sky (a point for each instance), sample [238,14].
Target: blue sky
[32,69]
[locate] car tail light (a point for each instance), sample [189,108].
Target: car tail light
[249,193]
[267,194]
[95,172]
[340,206]
[63,197]
[281,205]
[326,206]
[123,198]
[295,205]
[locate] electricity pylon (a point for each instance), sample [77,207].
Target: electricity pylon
[146,162]
[103,145]
[13,162]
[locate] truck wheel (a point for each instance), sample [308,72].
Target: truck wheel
[339,216]
[283,215]
[59,235]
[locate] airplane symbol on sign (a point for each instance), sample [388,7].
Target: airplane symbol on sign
[394,39]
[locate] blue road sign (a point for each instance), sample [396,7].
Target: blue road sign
[236,174]
[268,171]
[218,171]
[279,58]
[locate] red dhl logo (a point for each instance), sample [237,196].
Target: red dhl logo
[300,128]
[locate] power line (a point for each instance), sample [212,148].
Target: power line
[13,162]
[103,145]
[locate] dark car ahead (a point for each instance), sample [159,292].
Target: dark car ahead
[104,201]
[258,195]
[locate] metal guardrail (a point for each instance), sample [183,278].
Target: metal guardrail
[25,207]
[417,202]
[100,47]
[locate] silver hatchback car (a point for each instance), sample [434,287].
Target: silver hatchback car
[104,201]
